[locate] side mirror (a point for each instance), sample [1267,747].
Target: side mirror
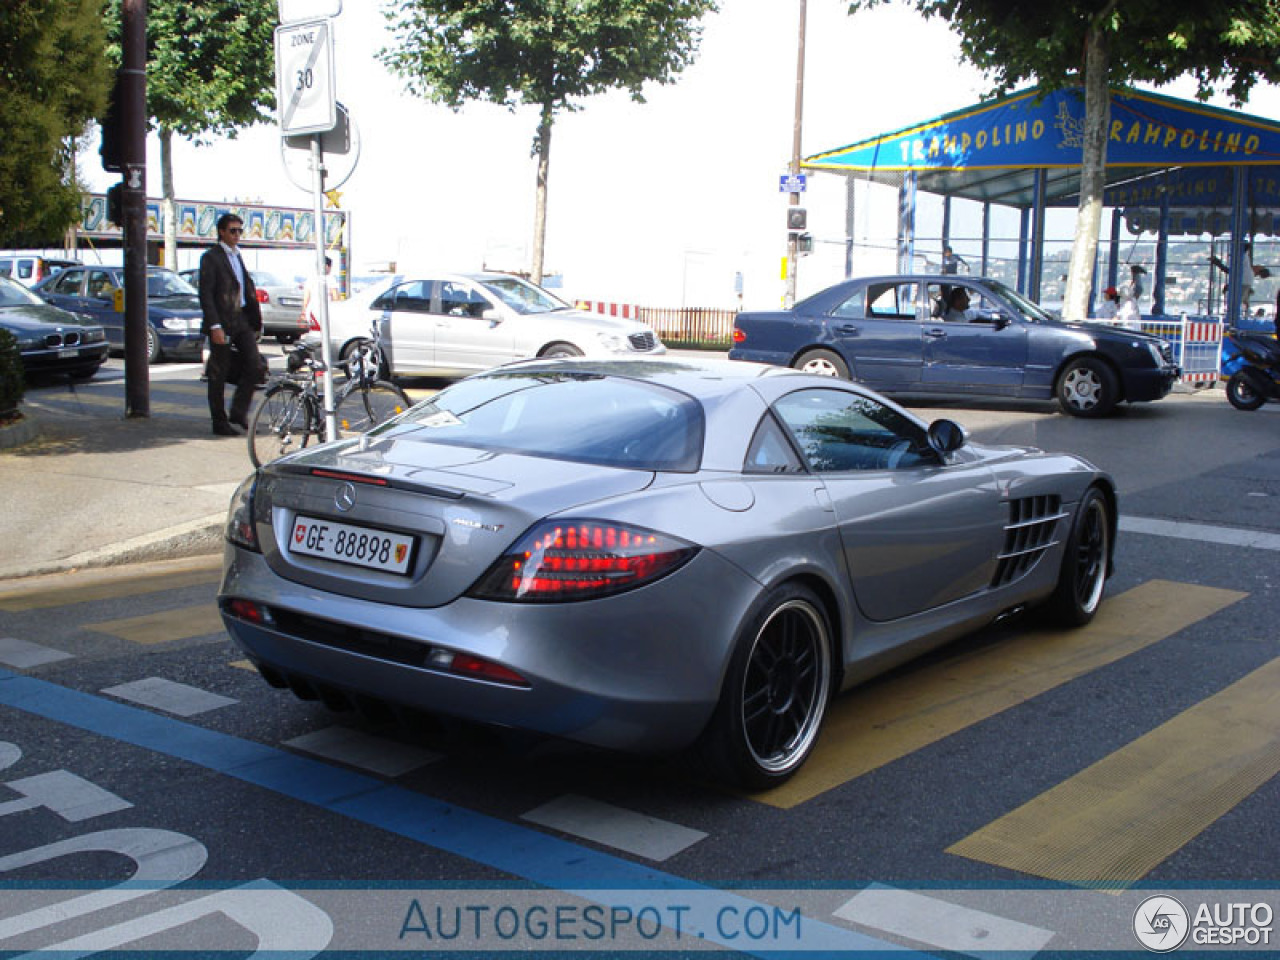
[946,436]
[1001,321]
[493,315]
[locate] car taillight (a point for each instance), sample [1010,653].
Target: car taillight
[738,335]
[263,296]
[581,560]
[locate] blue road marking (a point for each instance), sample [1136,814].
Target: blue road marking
[522,852]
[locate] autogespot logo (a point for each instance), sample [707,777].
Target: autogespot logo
[1161,924]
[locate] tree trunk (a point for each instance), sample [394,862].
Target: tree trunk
[540,203]
[1093,169]
[168,210]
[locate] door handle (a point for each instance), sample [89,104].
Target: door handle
[935,333]
[847,330]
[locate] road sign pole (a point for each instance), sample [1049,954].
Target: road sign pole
[320,293]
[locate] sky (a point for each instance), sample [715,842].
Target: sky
[669,203]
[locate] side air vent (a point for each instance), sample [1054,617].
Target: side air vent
[1027,536]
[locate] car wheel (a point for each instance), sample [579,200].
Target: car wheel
[153,345]
[560,350]
[775,692]
[1085,563]
[1241,393]
[1087,388]
[825,363]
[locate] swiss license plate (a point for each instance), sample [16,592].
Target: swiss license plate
[64,354]
[345,543]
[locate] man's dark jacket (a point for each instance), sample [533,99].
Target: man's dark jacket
[220,293]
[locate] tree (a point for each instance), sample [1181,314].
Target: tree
[210,71]
[54,78]
[1228,45]
[545,53]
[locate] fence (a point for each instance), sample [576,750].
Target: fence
[688,325]
[1196,342]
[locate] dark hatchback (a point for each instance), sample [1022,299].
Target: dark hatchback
[173,307]
[916,335]
[50,340]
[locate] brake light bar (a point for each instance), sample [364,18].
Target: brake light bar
[350,477]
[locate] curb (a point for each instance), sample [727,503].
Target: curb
[191,539]
[16,434]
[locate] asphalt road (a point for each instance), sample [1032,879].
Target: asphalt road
[970,802]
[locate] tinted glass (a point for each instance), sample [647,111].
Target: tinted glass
[460,300]
[14,294]
[166,283]
[67,282]
[839,431]
[411,297]
[770,450]
[586,418]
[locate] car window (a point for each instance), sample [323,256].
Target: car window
[581,417]
[522,296]
[6,268]
[67,283]
[771,451]
[460,300]
[980,308]
[411,297]
[855,307]
[895,301]
[839,431]
[14,294]
[100,284]
[26,268]
[166,283]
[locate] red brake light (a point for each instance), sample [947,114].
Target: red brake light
[738,335]
[581,560]
[263,296]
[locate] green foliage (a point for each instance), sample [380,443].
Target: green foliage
[1227,45]
[210,65]
[12,382]
[53,79]
[547,53]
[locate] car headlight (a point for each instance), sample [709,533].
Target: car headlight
[181,324]
[1156,355]
[240,529]
[612,342]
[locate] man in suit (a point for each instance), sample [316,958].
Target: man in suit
[231,316]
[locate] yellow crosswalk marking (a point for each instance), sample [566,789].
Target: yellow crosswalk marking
[1112,823]
[243,665]
[888,720]
[182,624]
[106,583]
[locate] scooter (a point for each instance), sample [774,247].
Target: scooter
[1251,364]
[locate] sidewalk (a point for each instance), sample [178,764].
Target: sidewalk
[93,489]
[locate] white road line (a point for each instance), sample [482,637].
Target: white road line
[615,827]
[20,654]
[357,749]
[176,698]
[944,925]
[1203,532]
[70,797]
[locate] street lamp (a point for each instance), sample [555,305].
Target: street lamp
[793,238]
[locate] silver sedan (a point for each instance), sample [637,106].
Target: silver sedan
[649,555]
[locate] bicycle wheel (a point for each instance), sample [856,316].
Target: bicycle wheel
[366,407]
[280,423]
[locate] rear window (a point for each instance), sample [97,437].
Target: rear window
[578,416]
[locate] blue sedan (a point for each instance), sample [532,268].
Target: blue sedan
[173,307]
[957,336]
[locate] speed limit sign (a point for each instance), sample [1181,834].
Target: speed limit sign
[304,77]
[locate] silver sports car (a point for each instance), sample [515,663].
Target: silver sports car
[650,554]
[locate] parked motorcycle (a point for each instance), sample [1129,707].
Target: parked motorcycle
[1251,364]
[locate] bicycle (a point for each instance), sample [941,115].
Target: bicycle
[291,412]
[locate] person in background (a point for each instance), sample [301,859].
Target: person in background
[1110,304]
[951,261]
[314,287]
[231,316]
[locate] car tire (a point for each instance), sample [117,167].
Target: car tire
[1085,563]
[825,363]
[1087,387]
[153,345]
[1242,393]
[558,351]
[775,692]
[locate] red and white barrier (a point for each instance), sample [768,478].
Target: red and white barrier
[628,311]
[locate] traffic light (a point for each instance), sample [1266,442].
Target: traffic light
[797,218]
[112,149]
[115,204]
[804,244]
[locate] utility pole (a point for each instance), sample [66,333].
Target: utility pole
[793,238]
[132,87]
